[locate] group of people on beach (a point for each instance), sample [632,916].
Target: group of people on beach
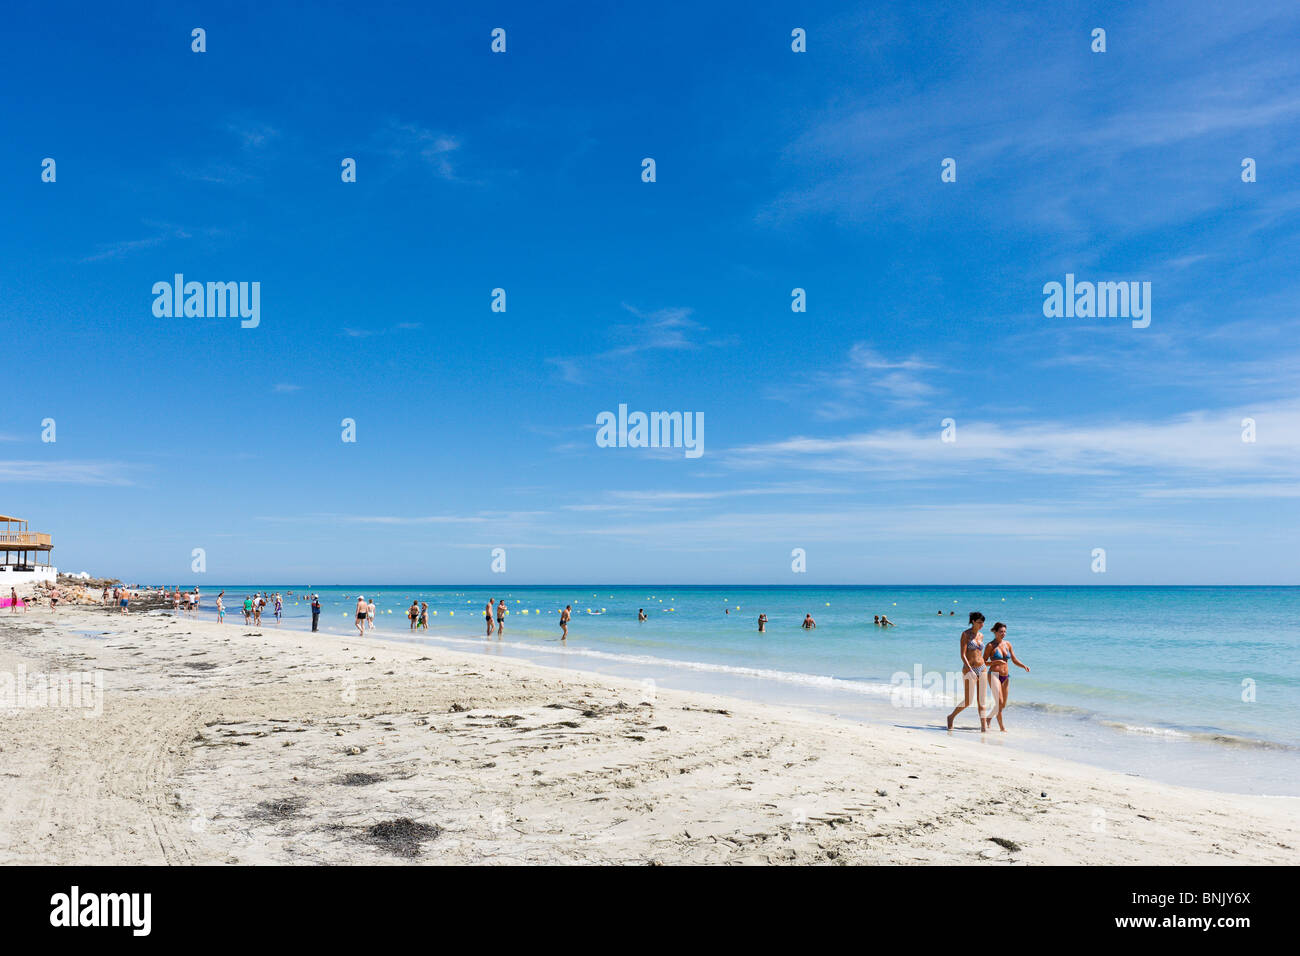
[254,605]
[120,597]
[985,667]
[986,664]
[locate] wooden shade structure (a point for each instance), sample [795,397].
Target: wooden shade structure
[27,546]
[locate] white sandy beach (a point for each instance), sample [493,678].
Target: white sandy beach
[230,744]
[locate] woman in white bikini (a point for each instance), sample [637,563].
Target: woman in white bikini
[974,671]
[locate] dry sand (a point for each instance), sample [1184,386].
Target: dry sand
[230,744]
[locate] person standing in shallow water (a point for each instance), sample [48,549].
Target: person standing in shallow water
[564,621]
[501,616]
[762,623]
[998,653]
[974,670]
[315,612]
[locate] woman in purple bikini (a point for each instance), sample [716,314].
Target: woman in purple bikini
[998,653]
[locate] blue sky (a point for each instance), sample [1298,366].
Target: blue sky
[775,170]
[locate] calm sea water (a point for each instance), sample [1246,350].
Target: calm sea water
[1193,685]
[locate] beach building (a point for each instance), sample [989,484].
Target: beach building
[21,554]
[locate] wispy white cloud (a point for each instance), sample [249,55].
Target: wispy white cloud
[404,142]
[663,330]
[1202,442]
[163,233]
[66,472]
[863,380]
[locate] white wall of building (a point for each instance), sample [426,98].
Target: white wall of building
[14,579]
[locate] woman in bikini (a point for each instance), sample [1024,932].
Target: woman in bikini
[998,653]
[974,671]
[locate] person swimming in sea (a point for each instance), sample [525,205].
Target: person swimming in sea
[762,623]
[998,653]
[974,671]
[808,622]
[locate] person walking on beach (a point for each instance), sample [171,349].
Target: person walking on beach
[363,611]
[221,608]
[370,615]
[54,598]
[248,610]
[13,600]
[997,654]
[564,621]
[974,670]
[122,604]
[762,623]
[279,606]
[315,612]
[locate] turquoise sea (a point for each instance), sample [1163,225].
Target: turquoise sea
[1191,685]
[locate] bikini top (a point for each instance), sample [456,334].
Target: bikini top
[999,653]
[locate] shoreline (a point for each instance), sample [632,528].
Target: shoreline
[251,745]
[1196,756]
